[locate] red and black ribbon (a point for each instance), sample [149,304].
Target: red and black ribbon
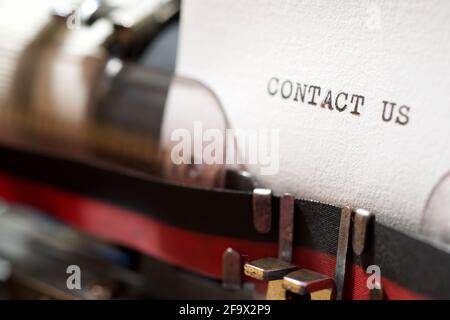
[191,227]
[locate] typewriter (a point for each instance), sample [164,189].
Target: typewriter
[152,149]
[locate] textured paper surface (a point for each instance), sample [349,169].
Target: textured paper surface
[384,50]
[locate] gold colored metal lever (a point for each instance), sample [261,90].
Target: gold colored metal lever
[268,269]
[272,270]
[306,282]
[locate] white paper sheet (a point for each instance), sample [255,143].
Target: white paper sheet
[396,51]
